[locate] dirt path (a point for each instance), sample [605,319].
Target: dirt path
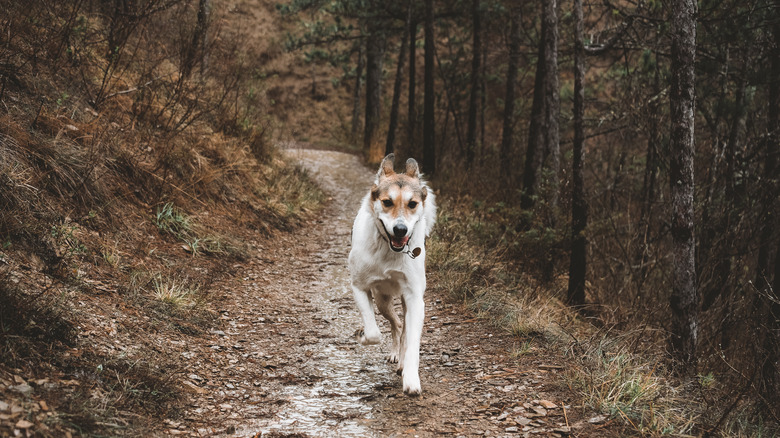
[285,362]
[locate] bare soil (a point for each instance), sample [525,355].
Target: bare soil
[283,361]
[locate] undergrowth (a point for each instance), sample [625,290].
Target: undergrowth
[482,255]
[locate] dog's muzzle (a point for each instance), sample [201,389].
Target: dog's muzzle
[397,244]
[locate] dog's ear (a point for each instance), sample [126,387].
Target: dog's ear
[386,167]
[424,193]
[412,169]
[374,192]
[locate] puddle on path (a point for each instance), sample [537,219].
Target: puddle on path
[336,404]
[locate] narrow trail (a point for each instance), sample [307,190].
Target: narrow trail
[285,363]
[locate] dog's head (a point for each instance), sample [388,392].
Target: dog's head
[398,200]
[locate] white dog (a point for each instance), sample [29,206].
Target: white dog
[387,260]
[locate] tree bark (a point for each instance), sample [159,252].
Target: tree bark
[412,108]
[579,210]
[476,60]
[429,136]
[684,299]
[198,47]
[552,107]
[356,94]
[508,132]
[390,144]
[765,281]
[536,128]
[375,52]
[768,219]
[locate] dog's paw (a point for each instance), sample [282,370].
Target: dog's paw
[364,339]
[392,358]
[412,385]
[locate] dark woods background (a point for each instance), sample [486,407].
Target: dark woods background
[547,125]
[486,92]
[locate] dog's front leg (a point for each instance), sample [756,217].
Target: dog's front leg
[413,325]
[384,303]
[365,303]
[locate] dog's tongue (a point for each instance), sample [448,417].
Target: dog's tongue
[399,242]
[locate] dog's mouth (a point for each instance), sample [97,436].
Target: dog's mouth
[398,243]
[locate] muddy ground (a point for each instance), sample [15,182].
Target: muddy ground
[283,360]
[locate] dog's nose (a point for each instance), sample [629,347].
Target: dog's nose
[399,230]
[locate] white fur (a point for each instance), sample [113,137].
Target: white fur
[381,274]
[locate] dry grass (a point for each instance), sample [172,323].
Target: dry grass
[633,390]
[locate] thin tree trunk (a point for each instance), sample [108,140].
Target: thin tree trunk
[579,207]
[476,59]
[771,369]
[533,154]
[390,144]
[198,48]
[482,106]
[508,132]
[768,220]
[356,94]
[684,299]
[412,109]
[552,108]
[375,53]
[429,136]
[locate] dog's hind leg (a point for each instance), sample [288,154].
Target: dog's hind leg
[413,325]
[385,305]
[365,303]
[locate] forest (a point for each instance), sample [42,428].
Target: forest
[607,171]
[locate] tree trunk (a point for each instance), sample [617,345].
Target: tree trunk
[482,106]
[508,132]
[412,109]
[198,47]
[768,220]
[375,52]
[684,299]
[579,208]
[536,128]
[476,59]
[390,144]
[356,94]
[552,107]
[765,281]
[429,151]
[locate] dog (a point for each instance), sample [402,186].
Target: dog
[387,260]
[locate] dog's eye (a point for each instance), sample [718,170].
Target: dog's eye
[412,204]
[387,202]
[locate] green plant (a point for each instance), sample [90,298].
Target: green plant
[172,220]
[65,237]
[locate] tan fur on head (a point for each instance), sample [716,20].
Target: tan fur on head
[409,182]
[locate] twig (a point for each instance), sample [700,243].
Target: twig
[130,90]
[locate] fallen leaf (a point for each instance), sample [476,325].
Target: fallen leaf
[23,424]
[597,419]
[43,405]
[548,404]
